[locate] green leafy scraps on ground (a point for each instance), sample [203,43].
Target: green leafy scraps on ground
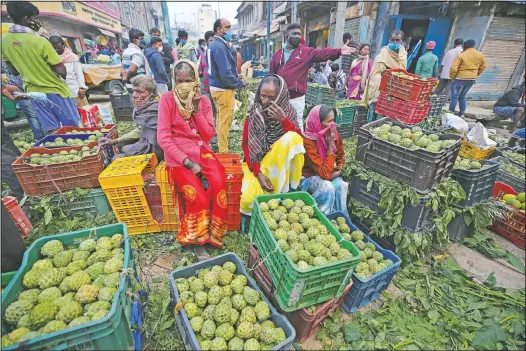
[439,308]
[235,242]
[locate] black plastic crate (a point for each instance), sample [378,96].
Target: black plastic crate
[123,114]
[345,131]
[414,218]
[121,101]
[419,168]
[437,102]
[499,152]
[506,178]
[361,117]
[477,183]
[458,229]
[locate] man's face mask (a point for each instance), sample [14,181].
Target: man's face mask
[140,102]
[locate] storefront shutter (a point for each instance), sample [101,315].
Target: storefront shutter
[502,48]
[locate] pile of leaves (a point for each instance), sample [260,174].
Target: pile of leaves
[235,242]
[439,308]
[242,95]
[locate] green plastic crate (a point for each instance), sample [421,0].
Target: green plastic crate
[296,289]
[94,203]
[345,115]
[7,277]
[113,332]
[9,108]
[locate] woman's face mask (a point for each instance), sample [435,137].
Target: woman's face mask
[184,89]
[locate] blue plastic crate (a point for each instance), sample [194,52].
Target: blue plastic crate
[183,323]
[109,150]
[364,291]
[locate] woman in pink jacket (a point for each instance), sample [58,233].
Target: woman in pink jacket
[185,128]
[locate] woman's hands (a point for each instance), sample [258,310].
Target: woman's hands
[336,174]
[192,166]
[275,112]
[265,183]
[329,139]
[197,99]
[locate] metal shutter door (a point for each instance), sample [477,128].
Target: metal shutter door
[502,48]
[352,26]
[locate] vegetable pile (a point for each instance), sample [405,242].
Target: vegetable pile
[412,138]
[61,157]
[511,169]
[464,163]
[515,156]
[303,238]
[59,142]
[347,103]
[517,202]
[225,313]
[372,261]
[66,288]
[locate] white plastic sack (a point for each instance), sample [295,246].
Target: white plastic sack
[105,111]
[478,136]
[450,120]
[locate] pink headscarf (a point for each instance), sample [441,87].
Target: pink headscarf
[313,131]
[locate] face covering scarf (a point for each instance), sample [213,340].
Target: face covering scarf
[184,92]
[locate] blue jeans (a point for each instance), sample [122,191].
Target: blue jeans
[32,119]
[459,91]
[372,107]
[57,111]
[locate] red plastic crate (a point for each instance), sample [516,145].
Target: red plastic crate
[513,228]
[233,171]
[305,322]
[407,112]
[113,132]
[234,217]
[52,178]
[18,215]
[417,89]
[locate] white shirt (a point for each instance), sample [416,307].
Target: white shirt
[75,77]
[447,61]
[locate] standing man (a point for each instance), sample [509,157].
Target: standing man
[203,68]
[450,56]
[464,71]
[224,80]
[155,60]
[201,48]
[294,61]
[133,60]
[239,60]
[166,54]
[347,60]
[427,65]
[185,49]
[33,58]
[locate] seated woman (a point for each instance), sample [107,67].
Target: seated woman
[185,129]
[325,157]
[143,139]
[272,144]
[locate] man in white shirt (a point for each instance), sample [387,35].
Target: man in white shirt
[445,81]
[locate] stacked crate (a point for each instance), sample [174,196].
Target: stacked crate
[404,96]
[349,118]
[122,107]
[234,178]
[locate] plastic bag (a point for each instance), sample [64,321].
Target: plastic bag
[90,116]
[478,135]
[450,120]
[105,112]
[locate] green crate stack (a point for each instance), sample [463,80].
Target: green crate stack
[310,96]
[94,203]
[113,332]
[345,115]
[294,288]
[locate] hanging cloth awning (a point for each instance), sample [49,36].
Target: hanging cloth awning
[107,33]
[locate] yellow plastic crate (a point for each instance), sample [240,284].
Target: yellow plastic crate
[122,182]
[170,209]
[473,152]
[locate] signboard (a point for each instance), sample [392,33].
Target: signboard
[77,11]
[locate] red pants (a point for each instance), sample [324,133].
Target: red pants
[205,214]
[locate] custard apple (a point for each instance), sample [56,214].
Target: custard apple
[64,285]
[201,298]
[104,243]
[262,311]
[79,321]
[293,237]
[112,280]
[42,314]
[6,341]
[99,256]
[113,265]
[297,247]
[31,278]
[107,293]
[75,266]
[251,296]
[226,301]
[30,295]
[283,244]
[51,248]
[293,255]
[360,245]
[17,334]
[234,316]
[215,294]
[197,285]
[222,314]
[227,291]
[29,336]
[237,286]
[182,285]
[297,228]
[78,279]
[96,307]
[99,315]
[208,330]
[238,302]
[210,279]
[62,259]
[302,265]
[309,210]
[273,204]
[378,256]
[49,278]
[218,344]
[319,261]
[204,345]
[248,315]
[186,296]
[209,312]
[80,255]
[69,311]
[43,264]
[267,334]
[24,322]
[279,335]
[230,266]
[87,293]
[116,240]
[68,297]
[245,330]
[197,323]
[236,344]
[225,331]
[17,309]
[88,245]
[252,344]
[225,277]
[49,294]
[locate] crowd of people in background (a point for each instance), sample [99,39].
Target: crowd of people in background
[178,111]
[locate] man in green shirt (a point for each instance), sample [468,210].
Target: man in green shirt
[427,65]
[33,58]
